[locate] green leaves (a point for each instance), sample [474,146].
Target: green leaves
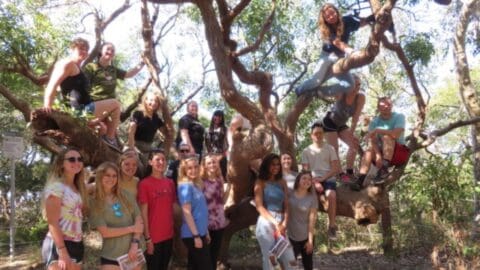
[418,48]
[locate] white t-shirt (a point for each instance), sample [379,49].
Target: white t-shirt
[318,159]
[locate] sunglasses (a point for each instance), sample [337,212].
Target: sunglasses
[73,159]
[184,150]
[117,209]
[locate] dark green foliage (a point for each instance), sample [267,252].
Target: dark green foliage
[419,48]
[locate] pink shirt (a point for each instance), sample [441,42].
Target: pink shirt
[213,191]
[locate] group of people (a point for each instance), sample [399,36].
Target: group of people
[129,213]
[133,215]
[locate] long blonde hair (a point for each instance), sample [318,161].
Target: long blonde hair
[143,108]
[56,174]
[325,28]
[203,168]
[182,175]
[100,194]
[126,155]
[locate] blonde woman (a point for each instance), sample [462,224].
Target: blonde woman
[128,163]
[194,230]
[65,205]
[211,175]
[335,31]
[144,124]
[116,216]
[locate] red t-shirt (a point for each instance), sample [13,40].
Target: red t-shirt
[159,195]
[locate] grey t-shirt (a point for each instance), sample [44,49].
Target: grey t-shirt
[299,210]
[290,179]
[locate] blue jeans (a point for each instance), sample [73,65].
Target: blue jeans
[323,82]
[264,233]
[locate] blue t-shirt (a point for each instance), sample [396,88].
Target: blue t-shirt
[189,193]
[350,25]
[396,121]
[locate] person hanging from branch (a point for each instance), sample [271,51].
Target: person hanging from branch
[75,87]
[335,32]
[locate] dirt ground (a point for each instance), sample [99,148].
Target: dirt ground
[348,258]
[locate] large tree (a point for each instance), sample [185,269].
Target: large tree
[239,63]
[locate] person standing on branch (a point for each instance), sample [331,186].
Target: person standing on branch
[335,31]
[144,124]
[349,105]
[75,88]
[386,143]
[190,130]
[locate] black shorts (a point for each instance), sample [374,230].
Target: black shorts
[105,261]
[50,252]
[330,126]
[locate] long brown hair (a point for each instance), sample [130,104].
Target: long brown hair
[327,29]
[56,174]
[100,194]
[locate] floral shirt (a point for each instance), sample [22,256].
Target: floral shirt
[213,191]
[71,215]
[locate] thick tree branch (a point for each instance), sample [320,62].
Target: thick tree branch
[432,136]
[19,104]
[266,27]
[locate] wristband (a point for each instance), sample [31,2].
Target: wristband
[148,240]
[196,236]
[62,247]
[135,240]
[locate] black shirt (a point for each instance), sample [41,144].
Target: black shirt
[146,126]
[195,131]
[75,89]
[350,25]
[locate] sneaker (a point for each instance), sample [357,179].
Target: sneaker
[111,142]
[381,176]
[332,233]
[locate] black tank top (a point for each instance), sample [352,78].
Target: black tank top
[75,90]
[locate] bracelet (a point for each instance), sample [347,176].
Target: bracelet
[148,240]
[62,247]
[135,241]
[196,236]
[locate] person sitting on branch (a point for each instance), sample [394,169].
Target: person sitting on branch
[386,143]
[335,31]
[75,88]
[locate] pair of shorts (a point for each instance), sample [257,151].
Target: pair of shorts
[400,154]
[329,185]
[50,252]
[105,261]
[330,126]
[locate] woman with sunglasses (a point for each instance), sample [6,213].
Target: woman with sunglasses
[194,230]
[157,197]
[214,194]
[128,163]
[303,207]
[271,201]
[116,216]
[64,206]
